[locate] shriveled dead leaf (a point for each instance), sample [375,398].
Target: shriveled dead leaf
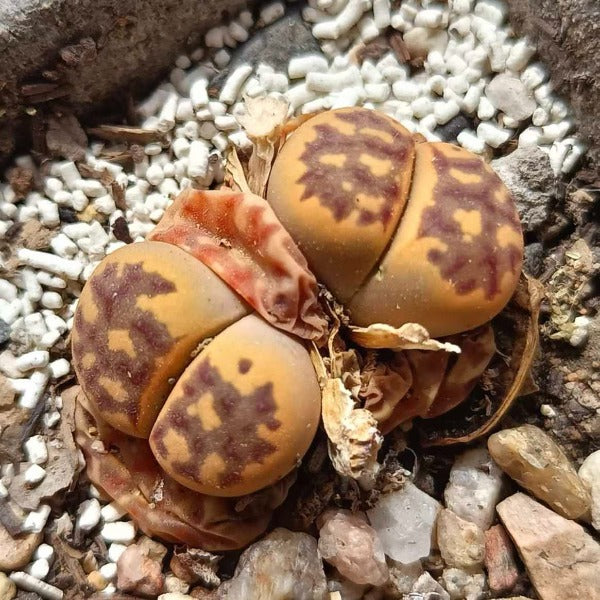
[477,349]
[264,115]
[160,506]
[263,121]
[354,439]
[411,336]
[235,171]
[385,384]
[507,376]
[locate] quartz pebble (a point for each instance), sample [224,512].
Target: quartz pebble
[343,589]
[474,487]
[139,573]
[589,473]
[563,561]
[534,460]
[348,543]
[405,521]
[17,551]
[508,94]
[282,565]
[461,542]
[462,585]
[500,560]
[96,580]
[402,577]
[427,587]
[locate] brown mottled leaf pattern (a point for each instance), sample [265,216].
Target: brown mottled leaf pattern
[480,262]
[338,187]
[115,291]
[236,440]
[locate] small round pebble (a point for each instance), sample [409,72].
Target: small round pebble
[96,580]
[34,474]
[39,568]
[112,512]
[115,550]
[120,531]
[109,571]
[89,516]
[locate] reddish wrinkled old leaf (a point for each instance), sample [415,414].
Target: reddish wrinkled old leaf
[516,329]
[239,237]
[124,468]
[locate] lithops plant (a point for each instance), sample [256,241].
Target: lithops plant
[400,231]
[229,421]
[192,348]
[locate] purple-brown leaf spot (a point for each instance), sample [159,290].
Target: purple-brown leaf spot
[338,187]
[235,439]
[244,365]
[475,261]
[114,294]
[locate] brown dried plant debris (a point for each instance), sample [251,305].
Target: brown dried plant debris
[126,133]
[411,336]
[65,138]
[267,126]
[31,235]
[194,565]
[68,571]
[567,289]
[264,122]
[506,378]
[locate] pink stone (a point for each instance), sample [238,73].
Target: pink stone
[500,560]
[562,559]
[351,545]
[138,573]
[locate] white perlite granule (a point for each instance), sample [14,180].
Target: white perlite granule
[472,64]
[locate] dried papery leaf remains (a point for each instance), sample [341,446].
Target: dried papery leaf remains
[354,439]
[410,336]
[263,121]
[506,378]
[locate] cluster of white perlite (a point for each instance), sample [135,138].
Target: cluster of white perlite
[467,43]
